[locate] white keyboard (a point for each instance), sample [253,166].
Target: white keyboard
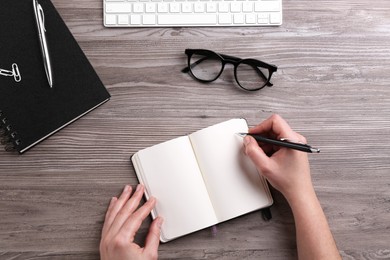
[186,13]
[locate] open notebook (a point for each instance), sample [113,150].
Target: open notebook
[201,179]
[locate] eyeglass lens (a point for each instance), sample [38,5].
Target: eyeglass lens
[208,66]
[251,77]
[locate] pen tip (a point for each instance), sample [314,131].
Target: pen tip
[241,134]
[315,150]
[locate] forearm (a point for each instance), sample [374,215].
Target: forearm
[288,171]
[314,238]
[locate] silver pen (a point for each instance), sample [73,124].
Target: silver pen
[40,19]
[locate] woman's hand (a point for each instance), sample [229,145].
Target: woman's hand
[286,169]
[122,222]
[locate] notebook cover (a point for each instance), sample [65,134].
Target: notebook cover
[31,109]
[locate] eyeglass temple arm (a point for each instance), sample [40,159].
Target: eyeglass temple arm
[187,69]
[269,84]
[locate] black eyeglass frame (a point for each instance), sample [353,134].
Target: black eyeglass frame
[235,61]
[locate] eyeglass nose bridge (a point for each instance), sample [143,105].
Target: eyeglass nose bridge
[230,59]
[227,59]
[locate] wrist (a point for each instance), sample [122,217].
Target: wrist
[301,198]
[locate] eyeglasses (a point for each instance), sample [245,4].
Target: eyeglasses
[250,74]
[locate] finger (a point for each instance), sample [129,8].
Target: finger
[133,223]
[273,125]
[126,211]
[256,154]
[108,213]
[118,204]
[132,204]
[301,138]
[268,149]
[153,238]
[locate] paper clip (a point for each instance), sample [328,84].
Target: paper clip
[12,73]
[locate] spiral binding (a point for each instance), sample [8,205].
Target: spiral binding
[8,137]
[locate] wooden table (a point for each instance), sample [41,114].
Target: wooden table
[332,85]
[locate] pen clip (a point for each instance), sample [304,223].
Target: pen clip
[313,150]
[291,141]
[39,16]
[42,13]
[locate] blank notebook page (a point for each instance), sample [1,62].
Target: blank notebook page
[171,172]
[234,185]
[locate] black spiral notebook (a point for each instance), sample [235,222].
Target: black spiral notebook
[30,110]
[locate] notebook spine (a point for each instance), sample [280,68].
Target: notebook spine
[8,136]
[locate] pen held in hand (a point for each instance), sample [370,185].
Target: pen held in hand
[282,143]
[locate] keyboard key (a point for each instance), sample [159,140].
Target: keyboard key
[262,18]
[275,18]
[223,7]
[123,19]
[225,18]
[211,7]
[150,7]
[111,19]
[247,7]
[235,7]
[174,7]
[250,18]
[267,6]
[162,7]
[138,8]
[148,19]
[199,7]
[118,8]
[186,7]
[193,19]
[238,18]
[135,19]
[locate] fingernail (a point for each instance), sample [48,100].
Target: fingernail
[127,188]
[139,186]
[159,222]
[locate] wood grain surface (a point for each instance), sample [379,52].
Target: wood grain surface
[332,85]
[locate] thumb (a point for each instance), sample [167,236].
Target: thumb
[255,153]
[153,238]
